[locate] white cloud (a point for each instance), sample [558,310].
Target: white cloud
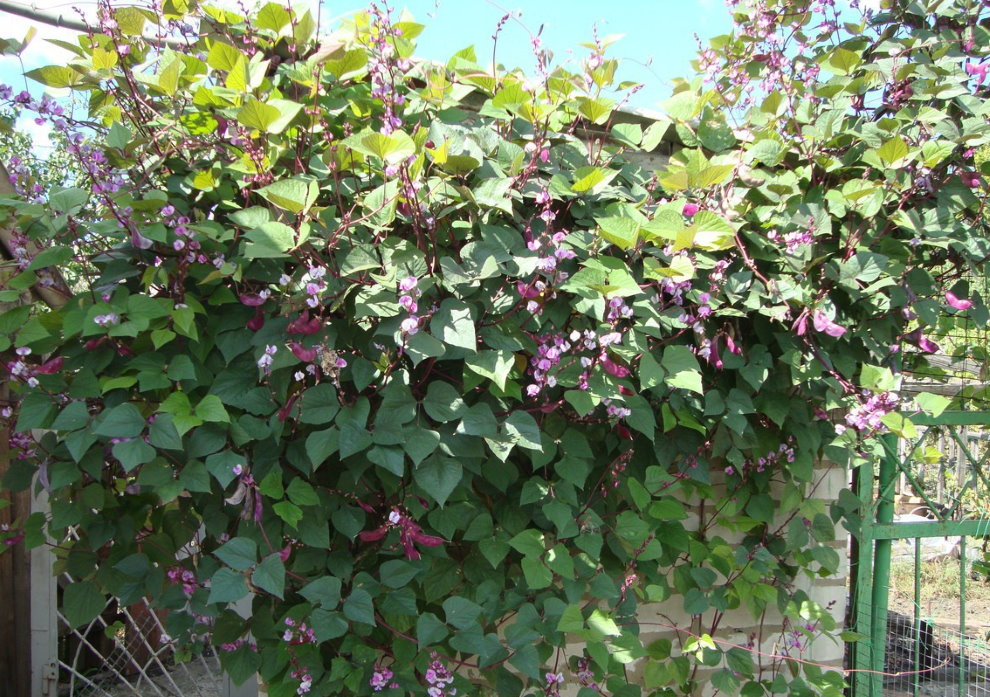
[40,133]
[39,51]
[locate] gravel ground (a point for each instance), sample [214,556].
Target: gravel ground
[184,680]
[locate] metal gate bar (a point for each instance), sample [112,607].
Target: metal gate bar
[872,541]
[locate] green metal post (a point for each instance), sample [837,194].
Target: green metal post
[963,688]
[916,679]
[862,579]
[881,565]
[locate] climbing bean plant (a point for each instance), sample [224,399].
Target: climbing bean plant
[443,372]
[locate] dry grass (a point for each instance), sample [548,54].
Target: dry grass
[940,591]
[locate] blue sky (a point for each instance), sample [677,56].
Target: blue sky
[658,43]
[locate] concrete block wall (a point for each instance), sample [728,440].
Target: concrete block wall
[738,627]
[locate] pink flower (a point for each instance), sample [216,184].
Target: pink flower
[957,303]
[978,70]
[824,324]
[527,291]
[410,325]
[970,179]
[690,209]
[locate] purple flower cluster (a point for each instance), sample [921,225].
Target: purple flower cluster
[550,349]
[20,442]
[106,180]
[616,310]
[548,243]
[382,678]
[978,70]
[107,320]
[717,275]
[234,645]
[383,65]
[19,248]
[553,347]
[783,67]
[255,151]
[533,293]
[585,677]
[265,362]
[19,370]
[783,454]
[298,633]
[439,679]
[184,238]
[616,411]
[703,311]
[867,417]
[797,638]
[305,680]
[314,285]
[22,180]
[791,241]
[408,287]
[674,290]
[184,576]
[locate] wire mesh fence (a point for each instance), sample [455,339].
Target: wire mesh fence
[937,639]
[931,659]
[126,651]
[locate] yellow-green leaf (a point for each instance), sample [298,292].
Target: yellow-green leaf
[893,152]
[223,56]
[622,232]
[392,149]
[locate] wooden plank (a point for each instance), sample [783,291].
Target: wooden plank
[44,623]
[15,586]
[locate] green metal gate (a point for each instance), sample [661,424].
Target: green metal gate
[961,513]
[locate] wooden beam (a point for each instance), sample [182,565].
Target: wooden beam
[61,21]
[57,293]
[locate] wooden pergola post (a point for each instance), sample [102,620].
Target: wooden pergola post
[28,642]
[15,586]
